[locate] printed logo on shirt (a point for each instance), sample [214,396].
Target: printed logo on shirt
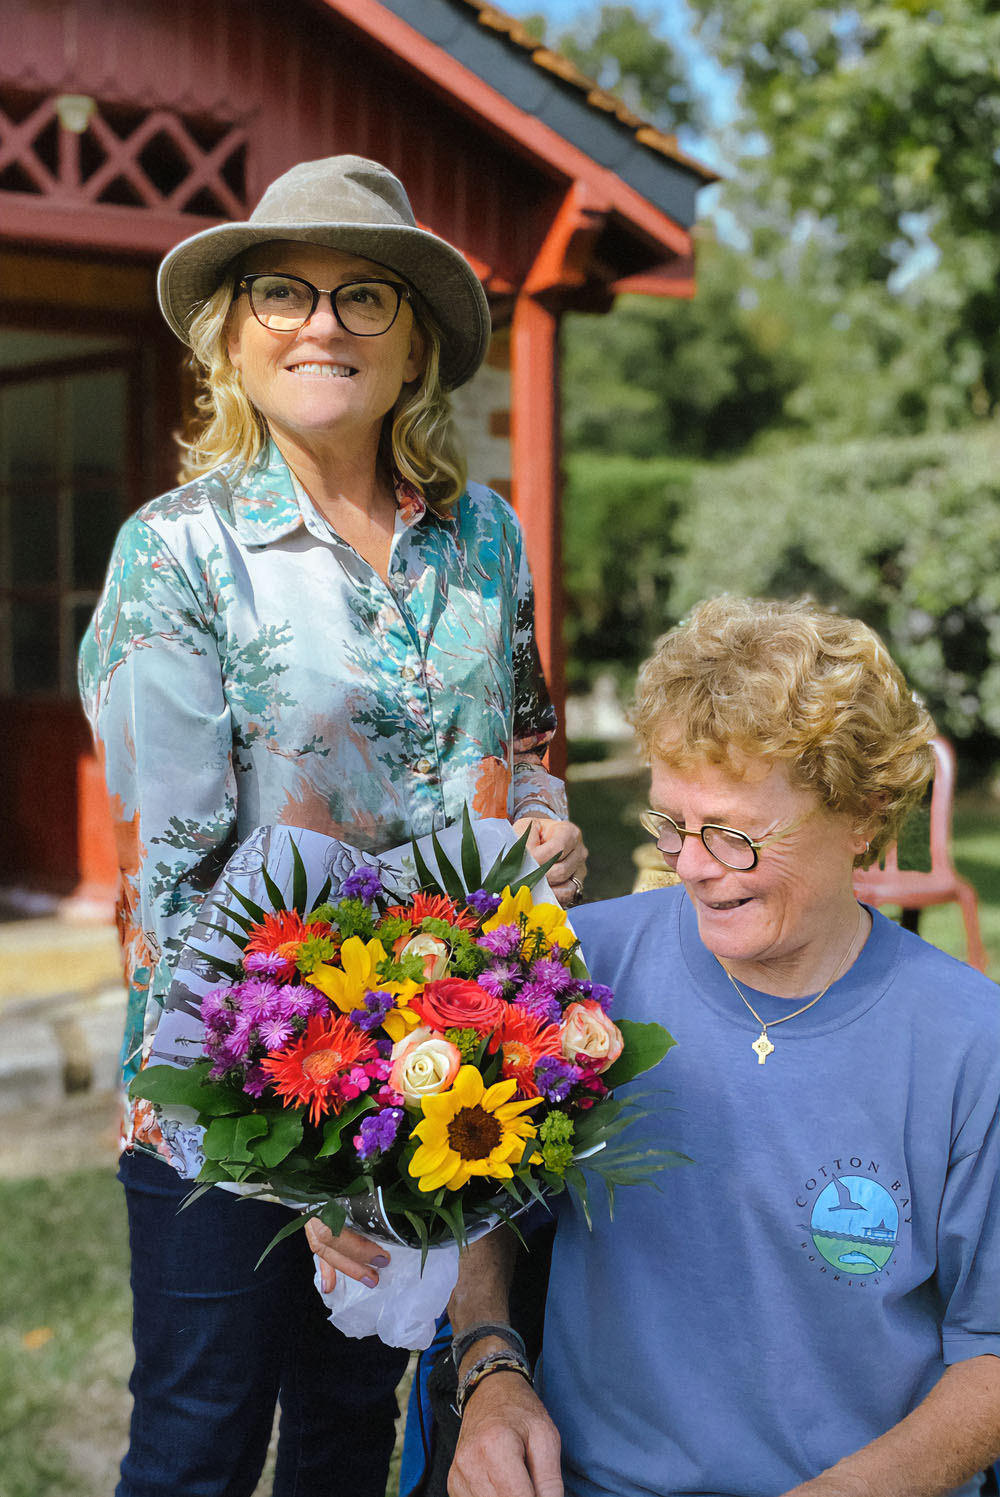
[853,1219]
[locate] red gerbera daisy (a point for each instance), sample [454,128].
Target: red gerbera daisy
[434,907]
[523,1039]
[312,1069]
[281,933]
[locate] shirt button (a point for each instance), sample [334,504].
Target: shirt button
[423,766]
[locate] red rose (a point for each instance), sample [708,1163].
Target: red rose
[458,1003]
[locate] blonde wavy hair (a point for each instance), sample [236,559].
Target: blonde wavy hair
[419,439]
[749,678]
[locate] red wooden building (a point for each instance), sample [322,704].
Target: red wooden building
[126,125]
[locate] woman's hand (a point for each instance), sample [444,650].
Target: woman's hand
[549,838]
[347,1253]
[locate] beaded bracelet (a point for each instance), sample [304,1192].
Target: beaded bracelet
[496,1361]
[503,1332]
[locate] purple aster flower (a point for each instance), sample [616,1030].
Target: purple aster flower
[503,941]
[378,1133]
[555,1078]
[267,963]
[550,975]
[491,983]
[535,999]
[363,884]
[274,1033]
[483,902]
[300,999]
[258,997]
[604,995]
[256,1081]
[377,1005]
[216,1003]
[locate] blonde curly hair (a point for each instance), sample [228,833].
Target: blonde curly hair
[419,439]
[747,677]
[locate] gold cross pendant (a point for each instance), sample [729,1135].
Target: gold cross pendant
[763,1047]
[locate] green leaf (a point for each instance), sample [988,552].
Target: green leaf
[334,1216]
[300,884]
[472,866]
[529,880]
[506,865]
[324,893]
[645,1047]
[450,880]
[284,1134]
[190,1087]
[335,1126]
[253,910]
[243,921]
[224,930]
[424,874]
[577,1183]
[231,969]
[298,1224]
[274,894]
[227,1139]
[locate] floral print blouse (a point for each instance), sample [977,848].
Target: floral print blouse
[246,666]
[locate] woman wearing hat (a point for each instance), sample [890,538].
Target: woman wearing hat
[324,626]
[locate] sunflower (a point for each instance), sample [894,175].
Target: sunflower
[470,1130]
[357,975]
[312,1069]
[523,1039]
[520,909]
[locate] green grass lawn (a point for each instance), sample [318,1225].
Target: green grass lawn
[64,1304]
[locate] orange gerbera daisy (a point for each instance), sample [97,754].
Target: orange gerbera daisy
[523,1039]
[434,907]
[281,933]
[314,1067]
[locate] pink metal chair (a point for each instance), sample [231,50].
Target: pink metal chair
[942,885]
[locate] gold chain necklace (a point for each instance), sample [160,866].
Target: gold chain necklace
[762,1044]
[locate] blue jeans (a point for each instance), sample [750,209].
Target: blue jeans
[218,1343]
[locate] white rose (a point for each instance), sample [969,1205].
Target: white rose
[423,1063]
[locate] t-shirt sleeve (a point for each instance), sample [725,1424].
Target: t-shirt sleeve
[969,1234]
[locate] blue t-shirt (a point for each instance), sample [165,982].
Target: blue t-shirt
[802,1285]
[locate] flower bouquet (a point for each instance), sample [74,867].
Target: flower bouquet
[413,1047]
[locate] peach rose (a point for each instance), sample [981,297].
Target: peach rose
[423,1063]
[434,951]
[589,1037]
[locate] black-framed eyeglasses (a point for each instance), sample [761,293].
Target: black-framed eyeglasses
[728,846]
[284,303]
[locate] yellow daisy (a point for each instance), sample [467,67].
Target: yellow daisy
[470,1130]
[346,985]
[550,919]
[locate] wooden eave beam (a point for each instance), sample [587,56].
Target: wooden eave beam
[495,112]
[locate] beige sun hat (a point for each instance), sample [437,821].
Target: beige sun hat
[344,203]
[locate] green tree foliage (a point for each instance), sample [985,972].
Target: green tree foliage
[698,378]
[878,130]
[623,49]
[618,547]
[904,533]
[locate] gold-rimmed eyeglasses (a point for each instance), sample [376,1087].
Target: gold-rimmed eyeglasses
[284,303]
[731,848]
